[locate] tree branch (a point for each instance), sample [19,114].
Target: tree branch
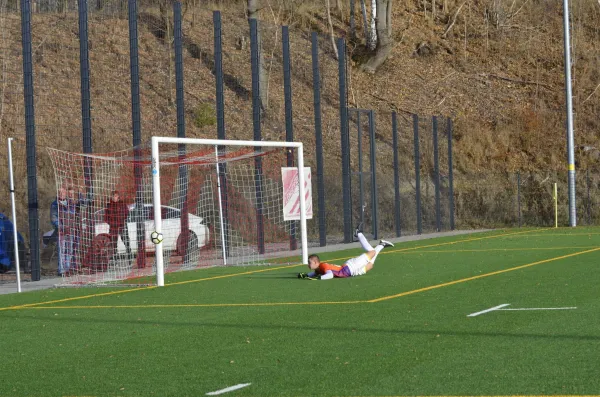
[453,19]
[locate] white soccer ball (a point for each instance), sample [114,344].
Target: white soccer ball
[156,237]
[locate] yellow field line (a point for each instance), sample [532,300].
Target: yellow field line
[561,234]
[193,305]
[501,249]
[415,291]
[28,305]
[463,280]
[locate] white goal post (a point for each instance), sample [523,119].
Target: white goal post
[216,143]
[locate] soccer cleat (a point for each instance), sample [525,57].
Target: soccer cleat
[358,229]
[385,243]
[302,275]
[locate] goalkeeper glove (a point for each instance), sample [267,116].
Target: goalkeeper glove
[302,275]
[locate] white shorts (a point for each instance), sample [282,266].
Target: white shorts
[358,265]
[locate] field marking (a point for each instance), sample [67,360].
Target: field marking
[564,234]
[28,305]
[491,309]
[501,249]
[464,280]
[228,389]
[191,305]
[502,306]
[314,303]
[542,308]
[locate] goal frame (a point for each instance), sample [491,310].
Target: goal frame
[156,199]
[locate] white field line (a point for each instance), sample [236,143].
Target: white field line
[491,309]
[228,389]
[543,308]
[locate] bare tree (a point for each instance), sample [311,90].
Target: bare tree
[385,42]
[372,43]
[253,9]
[328,10]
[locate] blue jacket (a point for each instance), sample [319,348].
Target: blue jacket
[6,241]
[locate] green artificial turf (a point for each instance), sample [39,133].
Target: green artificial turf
[402,329]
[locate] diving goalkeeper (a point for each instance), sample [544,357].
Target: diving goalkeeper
[353,267]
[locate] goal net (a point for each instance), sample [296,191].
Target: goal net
[178,204]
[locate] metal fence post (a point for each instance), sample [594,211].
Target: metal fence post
[256,110]
[436,167]
[374,195]
[361,190]
[396,175]
[220,100]
[179,95]
[589,203]
[417,172]
[289,126]
[137,129]
[450,174]
[344,141]
[318,139]
[30,141]
[519,197]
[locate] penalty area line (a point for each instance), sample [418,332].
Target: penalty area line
[228,389]
[491,309]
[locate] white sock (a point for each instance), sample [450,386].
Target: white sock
[363,241]
[328,275]
[377,251]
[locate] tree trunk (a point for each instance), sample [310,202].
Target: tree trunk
[262,70]
[328,10]
[373,34]
[385,42]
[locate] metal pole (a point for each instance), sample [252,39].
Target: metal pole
[256,109]
[589,203]
[436,168]
[361,189]
[569,104]
[179,95]
[450,173]
[160,269]
[30,141]
[137,132]
[345,142]
[84,69]
[319,139]
[374,198]
[218,51]
[14,214]
[519,196]
[303,230]
[289,125]
[555,205]
[417,172]
[396,175]
[223,243]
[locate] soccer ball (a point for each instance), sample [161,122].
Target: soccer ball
[156,237]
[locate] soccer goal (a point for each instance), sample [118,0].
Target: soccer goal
[128,217]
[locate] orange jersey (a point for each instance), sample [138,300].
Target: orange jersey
[324,267]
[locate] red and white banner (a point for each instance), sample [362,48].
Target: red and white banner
[291,193]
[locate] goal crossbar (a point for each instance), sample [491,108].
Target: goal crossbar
[155,147]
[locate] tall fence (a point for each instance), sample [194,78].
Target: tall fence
[107,75]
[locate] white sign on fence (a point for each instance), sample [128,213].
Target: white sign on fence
[291,193]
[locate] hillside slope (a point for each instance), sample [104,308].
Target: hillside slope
[498,73]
